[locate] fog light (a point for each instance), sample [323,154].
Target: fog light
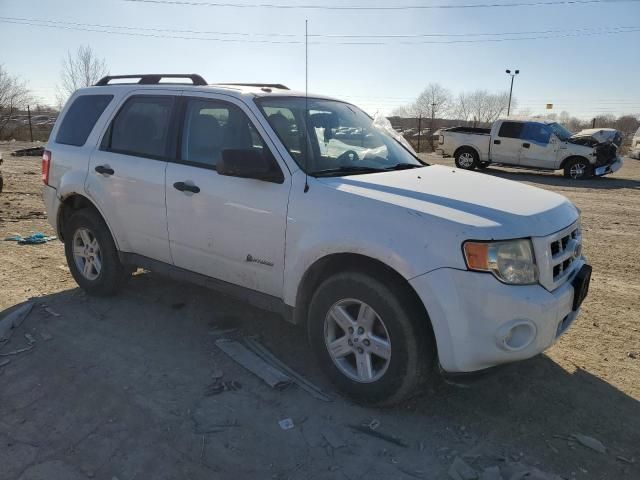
[516,335]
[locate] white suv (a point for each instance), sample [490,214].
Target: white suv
[309,207]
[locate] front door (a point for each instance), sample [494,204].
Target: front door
[229,228]
[505,147]
[126,175]
[539,146]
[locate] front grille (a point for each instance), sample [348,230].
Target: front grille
[564,251]
[558,255]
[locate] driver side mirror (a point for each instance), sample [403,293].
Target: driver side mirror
[249,163]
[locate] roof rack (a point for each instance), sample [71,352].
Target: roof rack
[260,85]
[152,79]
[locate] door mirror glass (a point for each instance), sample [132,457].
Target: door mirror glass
[249,163]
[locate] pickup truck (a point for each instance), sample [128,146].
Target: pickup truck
[536,144]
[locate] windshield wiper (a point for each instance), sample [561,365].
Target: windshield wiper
[404,166]
[353,169]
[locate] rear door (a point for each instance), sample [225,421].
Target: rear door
[506,145]
[127,173]
[539,148]
[228,228]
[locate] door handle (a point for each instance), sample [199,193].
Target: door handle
[526,145]
[104,170]
[496,142]
[184,187]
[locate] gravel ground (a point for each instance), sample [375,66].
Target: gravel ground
[117,388]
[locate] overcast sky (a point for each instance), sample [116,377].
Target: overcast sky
[588,64]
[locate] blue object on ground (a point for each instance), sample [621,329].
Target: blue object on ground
[35,239]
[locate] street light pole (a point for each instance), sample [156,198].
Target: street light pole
[516,72]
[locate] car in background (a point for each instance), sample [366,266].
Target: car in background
[635,145]
[535,144]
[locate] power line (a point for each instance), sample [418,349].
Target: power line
[317,35]
[109,30]
[378,8]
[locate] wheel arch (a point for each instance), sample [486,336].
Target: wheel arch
[335,263]
[74,202]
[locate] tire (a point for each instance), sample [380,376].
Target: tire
[105,275]
[396,319]
[578,168]
[467,159]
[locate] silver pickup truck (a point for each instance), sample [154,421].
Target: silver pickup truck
[536,144]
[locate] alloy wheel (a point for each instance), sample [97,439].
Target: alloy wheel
[357,340]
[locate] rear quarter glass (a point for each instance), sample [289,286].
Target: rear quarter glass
[80,119]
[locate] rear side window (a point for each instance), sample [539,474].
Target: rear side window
[141,127]
[510,129]
[81,118]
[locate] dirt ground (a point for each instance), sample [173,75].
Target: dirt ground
[117,388]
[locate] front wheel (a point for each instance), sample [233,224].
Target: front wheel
[466,159]
[578,169]
[370,338]
[91,254]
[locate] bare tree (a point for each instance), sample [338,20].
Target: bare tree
[80,69]
[481,106]
[627,123]
[14,95]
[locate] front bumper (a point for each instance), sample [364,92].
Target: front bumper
[610,168]
[473,313]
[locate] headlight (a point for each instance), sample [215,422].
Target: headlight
[511,261]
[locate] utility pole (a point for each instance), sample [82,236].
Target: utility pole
[593,123]
[433,117]
[30,128]
[419,130]
[516,72]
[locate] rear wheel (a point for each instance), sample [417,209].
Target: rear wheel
[578,168]
[371,339]
[92,255]
[466,158]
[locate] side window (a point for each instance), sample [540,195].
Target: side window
[141,127]
[510,129]
[80,119]
[536,132]
[210,127]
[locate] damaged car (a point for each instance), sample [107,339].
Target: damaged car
[535,144]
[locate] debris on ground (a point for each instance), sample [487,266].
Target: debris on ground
[590,442]
[30,338]
[46,336]
[256,365]
[14,319]
[35,239]
[4,362]
[460,470]
[373,424]
[51,312]
[260,350]
[380,435]
[619,457]
[16,352]
[218,387]
[28,152]
[286,424]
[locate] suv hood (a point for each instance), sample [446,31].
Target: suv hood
[592,137]
[486,207]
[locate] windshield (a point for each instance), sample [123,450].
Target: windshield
[560,131]
[341,138]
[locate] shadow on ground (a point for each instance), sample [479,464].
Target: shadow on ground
[116,387]
[609,182]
